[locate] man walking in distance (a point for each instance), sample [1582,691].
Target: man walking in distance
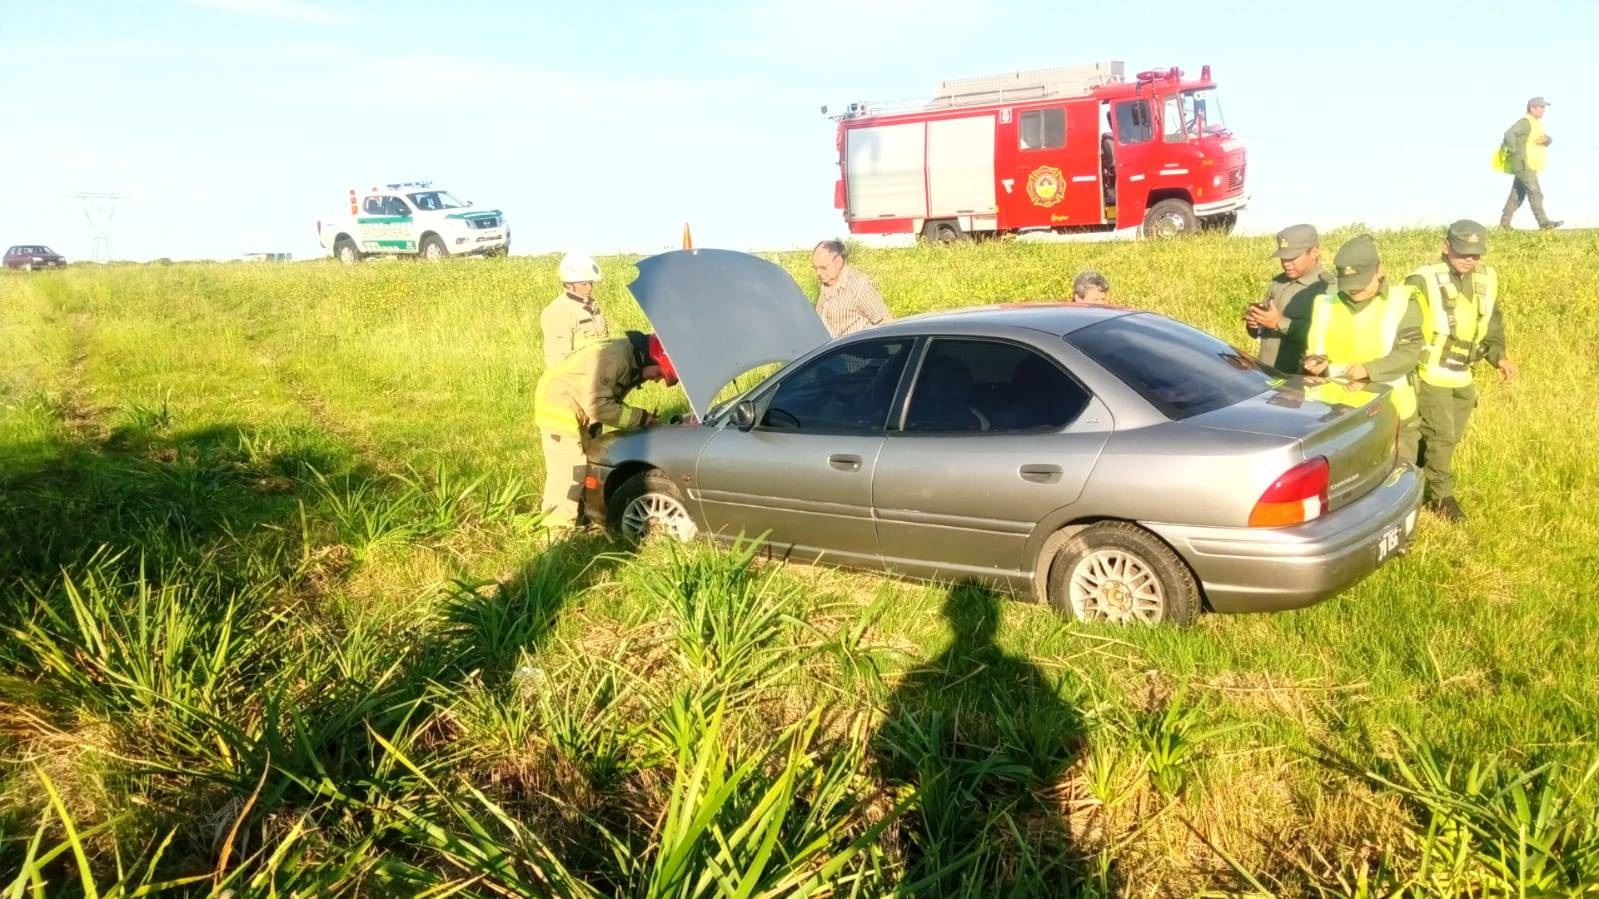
[848,302]
[1283,313]
[572,320]
[1366,330]
[1461,323]
[1522,157]
[578,397]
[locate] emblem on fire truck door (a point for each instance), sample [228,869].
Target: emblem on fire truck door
[1046,186]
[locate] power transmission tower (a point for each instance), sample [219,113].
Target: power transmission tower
[98,208]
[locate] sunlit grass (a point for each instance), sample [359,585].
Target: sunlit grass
[278,612]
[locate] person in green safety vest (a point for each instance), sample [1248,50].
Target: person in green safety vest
[1522,157]
[582,395]
[1461,324]
[1367,330]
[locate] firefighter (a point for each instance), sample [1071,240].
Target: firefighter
[1090,287]
[1461,323]
[1522,157]
[1366,330]
[1283,313]
[578,397]
[849,302]
[572,319]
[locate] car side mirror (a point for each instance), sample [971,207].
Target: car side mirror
[743,416]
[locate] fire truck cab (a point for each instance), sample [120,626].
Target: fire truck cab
[1075,148]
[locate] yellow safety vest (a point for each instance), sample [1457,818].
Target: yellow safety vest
[1453,324]
[1347,335]
[1535,150]
[552,417]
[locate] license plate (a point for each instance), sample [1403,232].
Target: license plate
[1391,543]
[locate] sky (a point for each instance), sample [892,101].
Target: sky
[231,126]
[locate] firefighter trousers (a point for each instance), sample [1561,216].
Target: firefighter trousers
[565,466]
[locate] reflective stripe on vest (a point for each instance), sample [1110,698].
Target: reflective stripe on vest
[1535,150]
[1454,326]
[552,416]
[1346,336]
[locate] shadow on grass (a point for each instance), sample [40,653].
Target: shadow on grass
[984,736]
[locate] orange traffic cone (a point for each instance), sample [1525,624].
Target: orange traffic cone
[688,239]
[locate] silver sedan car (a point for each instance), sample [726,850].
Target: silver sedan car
[1115,464]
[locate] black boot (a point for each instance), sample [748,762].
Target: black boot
[1447,509]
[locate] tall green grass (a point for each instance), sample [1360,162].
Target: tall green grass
[278,616]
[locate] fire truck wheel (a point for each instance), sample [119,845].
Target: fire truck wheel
[1170,218]
[943,232]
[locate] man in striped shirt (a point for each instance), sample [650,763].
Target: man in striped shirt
[849,302]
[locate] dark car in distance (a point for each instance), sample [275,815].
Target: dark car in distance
[29,256]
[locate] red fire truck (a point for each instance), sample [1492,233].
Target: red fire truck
[1076,148]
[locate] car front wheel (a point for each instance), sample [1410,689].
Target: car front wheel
[1118,572]
[648,504]
[433,248]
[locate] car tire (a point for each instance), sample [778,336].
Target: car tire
[1170,218]
[27,266]
[345,251]
[649,504]
[432,248]
[1119,572]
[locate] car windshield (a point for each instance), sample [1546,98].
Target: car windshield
[1201,110]
[436,199]
[1181,371]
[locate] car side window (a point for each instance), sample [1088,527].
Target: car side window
[847,390]
[396,206]
[990,385]
[373,205]
[1133,123]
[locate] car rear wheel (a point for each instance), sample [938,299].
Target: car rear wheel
[1118,572]
[344,249]
[1170,218]
[648,504]
[433,248]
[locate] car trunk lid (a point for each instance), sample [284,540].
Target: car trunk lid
[1354,428]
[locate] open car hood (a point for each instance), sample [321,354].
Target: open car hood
[720,313]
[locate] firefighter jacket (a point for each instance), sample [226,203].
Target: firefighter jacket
[585,391]
[567,324]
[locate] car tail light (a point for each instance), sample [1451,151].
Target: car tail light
[1298,496]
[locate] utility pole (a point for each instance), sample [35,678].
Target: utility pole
[98,208]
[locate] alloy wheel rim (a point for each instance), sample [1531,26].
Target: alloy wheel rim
[1115,585]
[657,514]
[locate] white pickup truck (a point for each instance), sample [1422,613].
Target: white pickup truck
[413,219]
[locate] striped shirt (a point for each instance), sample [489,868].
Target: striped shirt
[851,305]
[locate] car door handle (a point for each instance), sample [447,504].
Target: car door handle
[1042,474]
[845,461]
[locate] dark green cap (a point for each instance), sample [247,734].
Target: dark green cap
[1294,240]
[1467,238]
[1356,264]
[1537,101]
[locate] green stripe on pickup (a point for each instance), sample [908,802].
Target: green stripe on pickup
[382,219]
[484,213]
[396,244]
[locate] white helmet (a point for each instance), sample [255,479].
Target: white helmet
[577,268]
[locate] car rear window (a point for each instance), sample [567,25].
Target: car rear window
[1181,371]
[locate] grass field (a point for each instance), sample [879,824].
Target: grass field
[279,618]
